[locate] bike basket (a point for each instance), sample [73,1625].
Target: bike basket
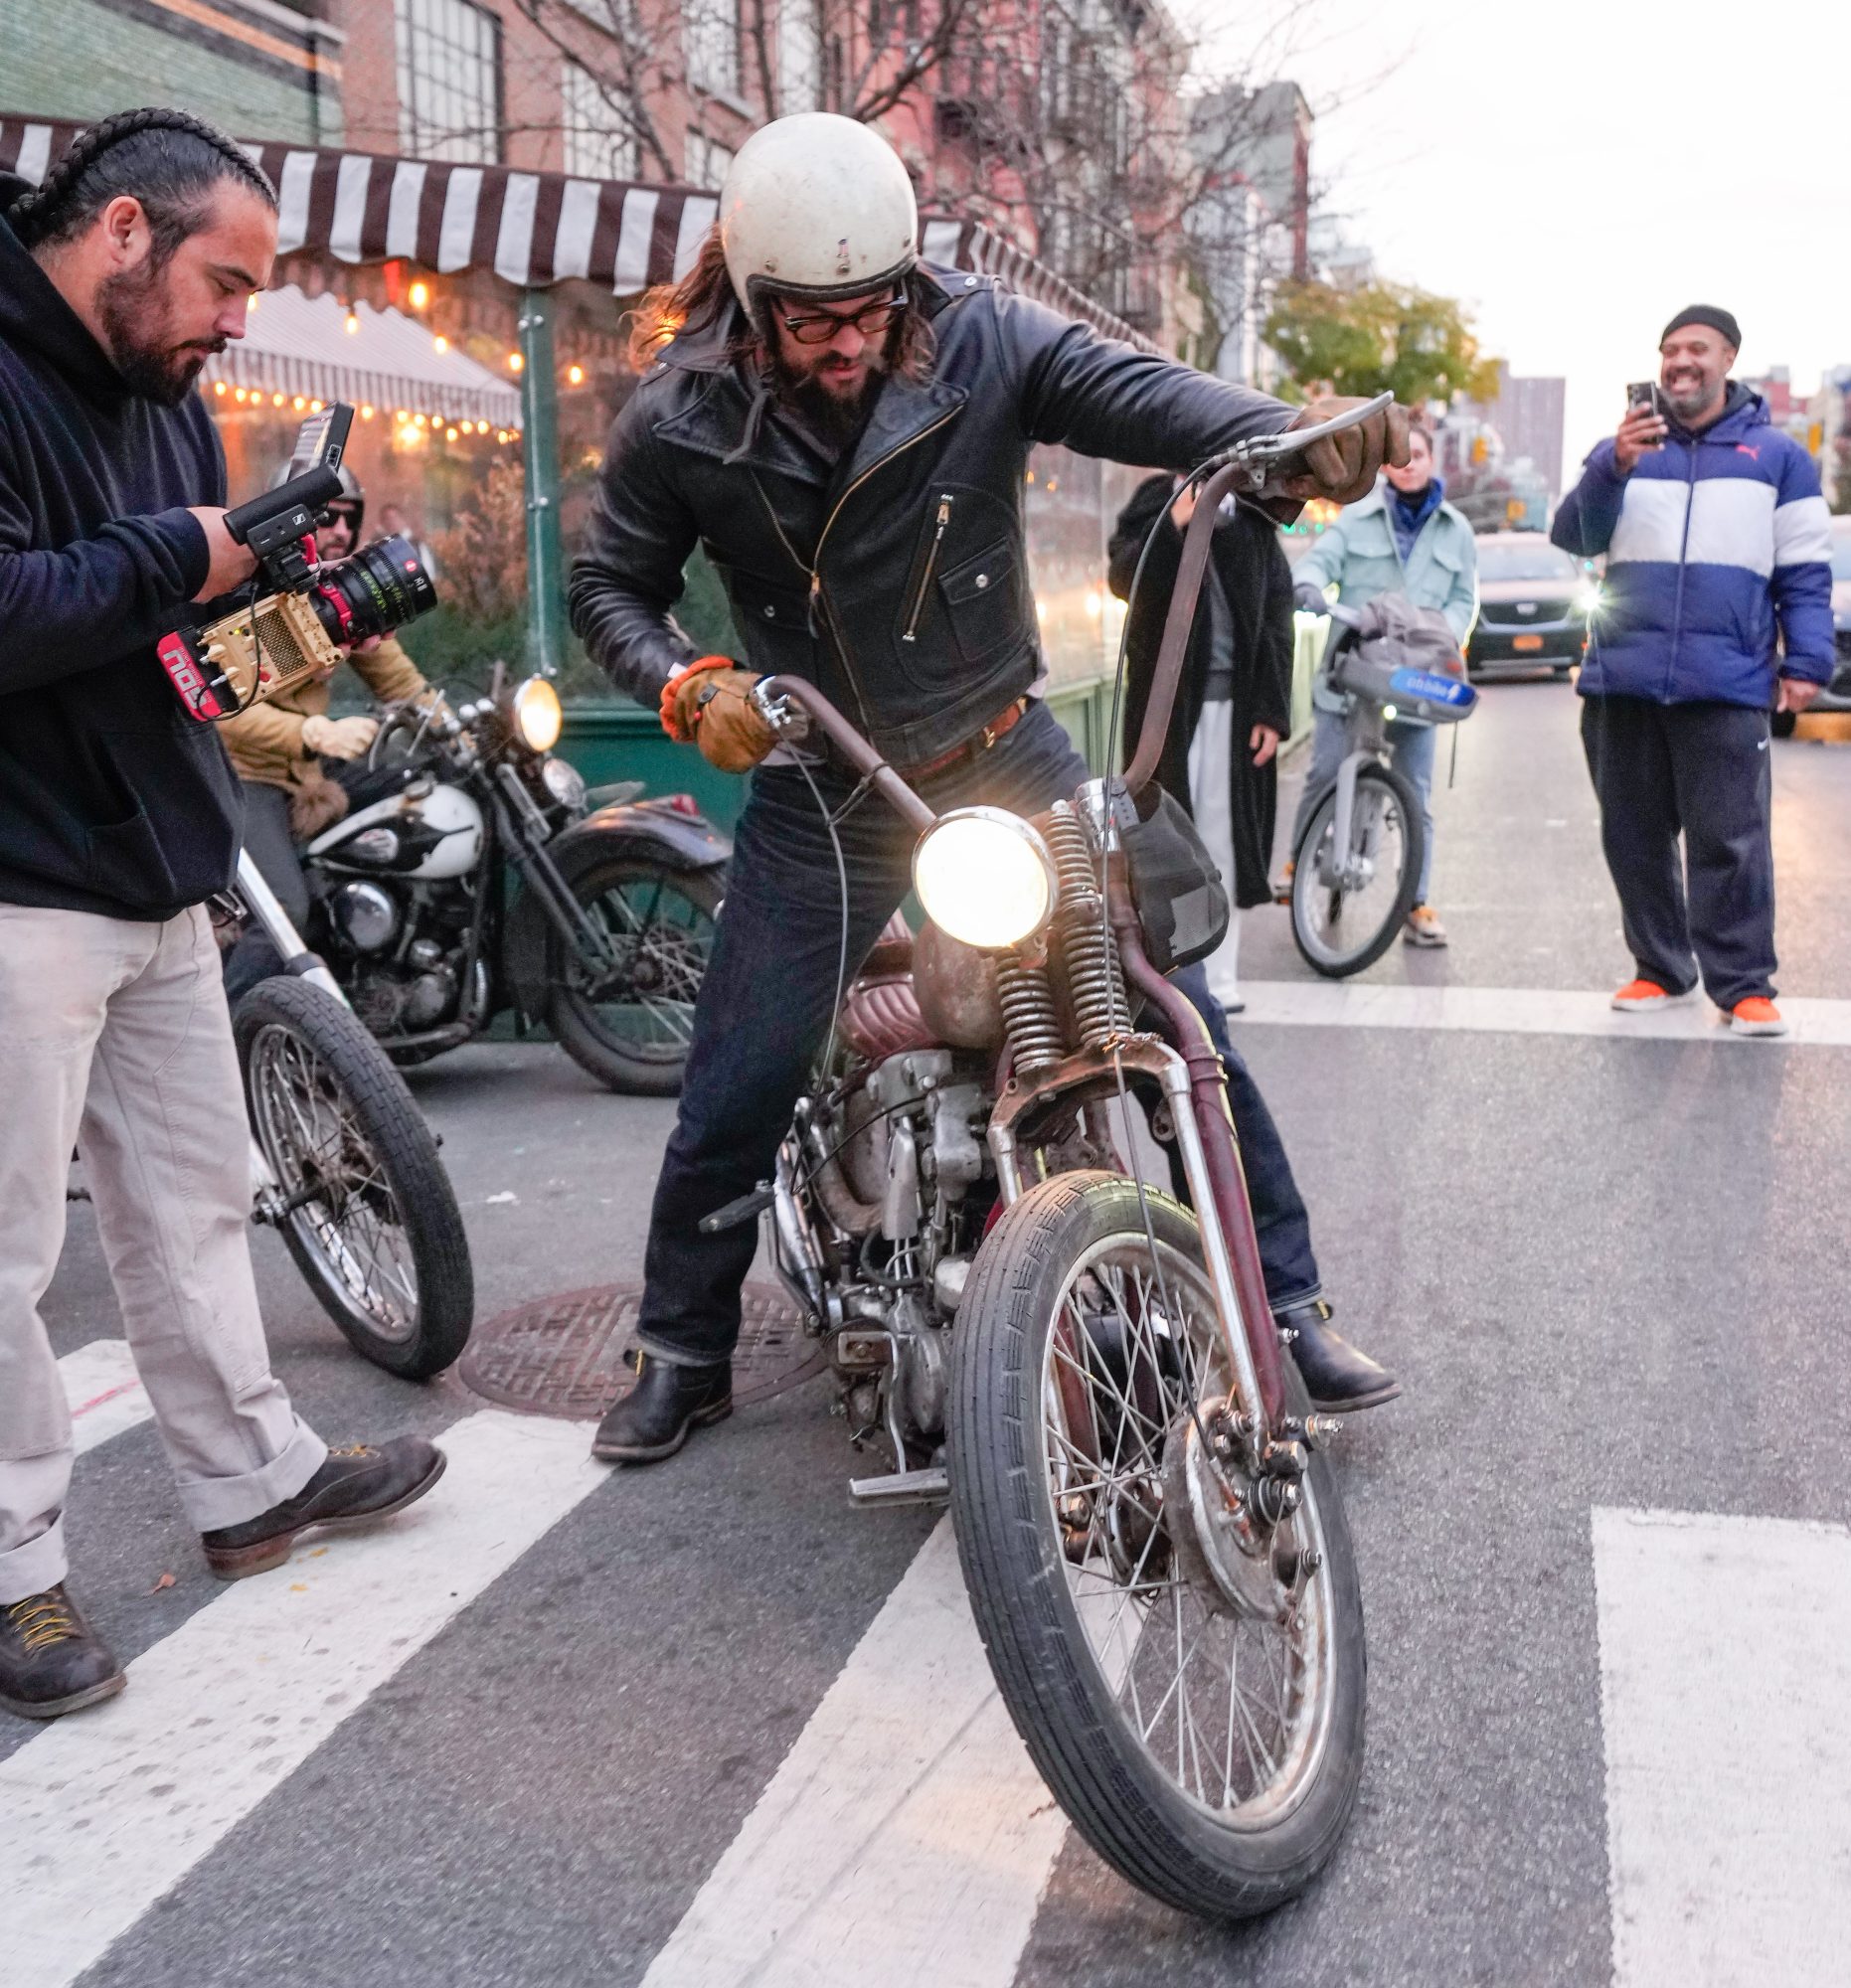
[1181,901]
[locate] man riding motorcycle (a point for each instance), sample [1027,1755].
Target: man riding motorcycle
[847,432]
[277,748]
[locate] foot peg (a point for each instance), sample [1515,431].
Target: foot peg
[747,1208]
[902,1487]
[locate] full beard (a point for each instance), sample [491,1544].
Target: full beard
[838,418]
[135,318]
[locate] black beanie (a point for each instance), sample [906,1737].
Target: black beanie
[1709,314]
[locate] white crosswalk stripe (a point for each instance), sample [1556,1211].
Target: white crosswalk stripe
[103,1814]
[1524,1011]
[907,1822]
[1724,1673]
[103,1391]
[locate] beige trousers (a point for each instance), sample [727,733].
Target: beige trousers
[115,1038]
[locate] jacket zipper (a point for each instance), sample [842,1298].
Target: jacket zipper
[932,560]
[1683,552]
[819,605]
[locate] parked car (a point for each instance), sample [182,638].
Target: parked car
[1534,600]
[1836,696]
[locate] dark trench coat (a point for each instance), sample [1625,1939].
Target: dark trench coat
[1247,554]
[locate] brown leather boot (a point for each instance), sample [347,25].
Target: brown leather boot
[50,1660]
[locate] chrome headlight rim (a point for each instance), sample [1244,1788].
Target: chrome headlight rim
[536,715]
[1020,831]
[563,781]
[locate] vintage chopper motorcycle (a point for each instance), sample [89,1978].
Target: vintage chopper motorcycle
[1148,1523]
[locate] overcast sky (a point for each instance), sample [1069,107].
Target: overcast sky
[1577,170]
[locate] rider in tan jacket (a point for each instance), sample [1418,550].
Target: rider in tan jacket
[277,749]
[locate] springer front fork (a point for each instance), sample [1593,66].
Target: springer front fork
[1153,1058]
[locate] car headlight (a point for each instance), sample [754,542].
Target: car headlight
[1588,596]
[985,876]
[536,715]
[563,781]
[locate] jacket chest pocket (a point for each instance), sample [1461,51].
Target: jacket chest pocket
[980,596]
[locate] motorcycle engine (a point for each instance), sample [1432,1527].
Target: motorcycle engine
[891,1170]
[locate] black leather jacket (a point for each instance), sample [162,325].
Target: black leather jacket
[898,584]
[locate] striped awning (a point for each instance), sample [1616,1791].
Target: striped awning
[310,347]
[531,229]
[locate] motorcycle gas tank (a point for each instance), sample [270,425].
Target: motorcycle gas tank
[435,835]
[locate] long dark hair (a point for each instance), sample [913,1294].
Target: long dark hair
[705,299]
[168,160]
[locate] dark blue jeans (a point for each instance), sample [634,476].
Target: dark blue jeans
[763,1012]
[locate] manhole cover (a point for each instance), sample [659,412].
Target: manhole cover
[563,1356]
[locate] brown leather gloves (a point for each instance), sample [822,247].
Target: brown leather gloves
[710,703]
[1343,468]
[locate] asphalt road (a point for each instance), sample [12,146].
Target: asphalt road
[1606,1272]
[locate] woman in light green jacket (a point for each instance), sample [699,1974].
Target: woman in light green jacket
[1403,538]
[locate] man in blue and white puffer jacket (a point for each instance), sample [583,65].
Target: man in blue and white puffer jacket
[1718,587]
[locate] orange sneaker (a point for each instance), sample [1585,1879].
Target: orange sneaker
[1756,1016]
[1642,996]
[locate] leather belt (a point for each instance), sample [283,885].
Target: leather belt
[1005,722]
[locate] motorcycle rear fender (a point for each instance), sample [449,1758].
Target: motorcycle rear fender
[652,829]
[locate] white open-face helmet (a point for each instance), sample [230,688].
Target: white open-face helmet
[817,206]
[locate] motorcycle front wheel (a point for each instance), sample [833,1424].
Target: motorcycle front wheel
[364,1203]
[1192,1688]
[631,1031]
[1346,910]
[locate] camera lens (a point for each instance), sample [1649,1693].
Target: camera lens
[380,589]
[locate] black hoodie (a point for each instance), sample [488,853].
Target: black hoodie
[112,799]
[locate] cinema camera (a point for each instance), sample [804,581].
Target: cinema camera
[309,611]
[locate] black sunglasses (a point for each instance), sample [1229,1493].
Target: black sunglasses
[820,327]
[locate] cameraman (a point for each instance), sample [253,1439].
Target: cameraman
[277,748]
[118,814]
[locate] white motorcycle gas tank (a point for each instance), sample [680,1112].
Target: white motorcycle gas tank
[447,812]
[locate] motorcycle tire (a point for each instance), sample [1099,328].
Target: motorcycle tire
[1377,787]
[1015,1479]
[370,1214]
[624,1062]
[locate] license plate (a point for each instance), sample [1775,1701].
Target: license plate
[1527,642]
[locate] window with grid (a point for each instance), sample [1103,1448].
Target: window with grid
[599,143]
[710,45]
[707,161]
[449,80]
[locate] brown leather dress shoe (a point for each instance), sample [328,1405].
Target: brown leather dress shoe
[355,1487]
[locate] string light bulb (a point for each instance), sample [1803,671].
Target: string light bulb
[515,362]
[218,386]
[419,296]
[351,323]
[449,434]
[439,343]
[576,375]
[366,412]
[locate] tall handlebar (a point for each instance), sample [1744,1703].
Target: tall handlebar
[773,692]
[1249,466]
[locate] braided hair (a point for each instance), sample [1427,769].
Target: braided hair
[168,160]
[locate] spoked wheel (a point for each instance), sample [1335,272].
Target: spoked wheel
[631,1029]
[1347,907]
[362,1198]
[1188,1675]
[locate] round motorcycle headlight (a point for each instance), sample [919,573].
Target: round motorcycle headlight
[985,876]
[536,715]
[563,781]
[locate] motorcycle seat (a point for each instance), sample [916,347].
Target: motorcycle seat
[881,1017]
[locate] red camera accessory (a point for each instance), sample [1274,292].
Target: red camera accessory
[200,686]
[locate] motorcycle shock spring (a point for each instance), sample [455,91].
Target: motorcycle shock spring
[1027,998]
[1095,977]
